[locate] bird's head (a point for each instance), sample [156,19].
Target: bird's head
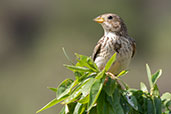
[112,23]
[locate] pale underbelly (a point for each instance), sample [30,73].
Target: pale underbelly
[120,64]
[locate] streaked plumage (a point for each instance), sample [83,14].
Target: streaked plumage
[115,39]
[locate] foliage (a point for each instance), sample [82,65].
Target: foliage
[89,93]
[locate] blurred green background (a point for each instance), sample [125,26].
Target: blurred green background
[33,32]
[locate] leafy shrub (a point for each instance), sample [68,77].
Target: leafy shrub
[88,94]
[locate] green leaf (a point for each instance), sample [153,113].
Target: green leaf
[166,99]
[124,84]
[73,97]
[156,76]
[87,62]
[100,75]
[83,88]
[93,111]
[143,87]
[101,104]
[122,73]
[82,76]
[150,106]
[78,75]
[110,109]
[166,95]
[92,64]
[67,56]
[50,104]
[131,99]
[79,108]
[95,92]
[155,91]
[104,107]
[66,109]
[78,68]
[168,105]
[149,75]
[53,89]
[65,87]
[114,101]
[140,99]
[69,108]
[84,100]
[158,105]
[125,105]
[167,112]
[110,86]
[62,111]
[110,62]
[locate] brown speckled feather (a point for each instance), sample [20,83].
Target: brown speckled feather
[96,51]
[133,44]
[134,48]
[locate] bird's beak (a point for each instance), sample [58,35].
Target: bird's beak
[99,19]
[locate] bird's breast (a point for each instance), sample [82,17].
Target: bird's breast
[112,45]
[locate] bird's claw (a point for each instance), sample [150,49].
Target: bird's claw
[112,76]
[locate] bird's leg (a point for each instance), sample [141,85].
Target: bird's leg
[112,76]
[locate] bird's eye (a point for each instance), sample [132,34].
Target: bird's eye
[110,17]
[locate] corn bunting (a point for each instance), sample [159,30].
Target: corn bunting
[114,40]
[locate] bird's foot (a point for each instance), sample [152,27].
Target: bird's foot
[112,76]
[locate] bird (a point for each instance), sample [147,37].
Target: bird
[115,40]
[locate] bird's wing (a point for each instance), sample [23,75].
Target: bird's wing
[133,46]
[96,51]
